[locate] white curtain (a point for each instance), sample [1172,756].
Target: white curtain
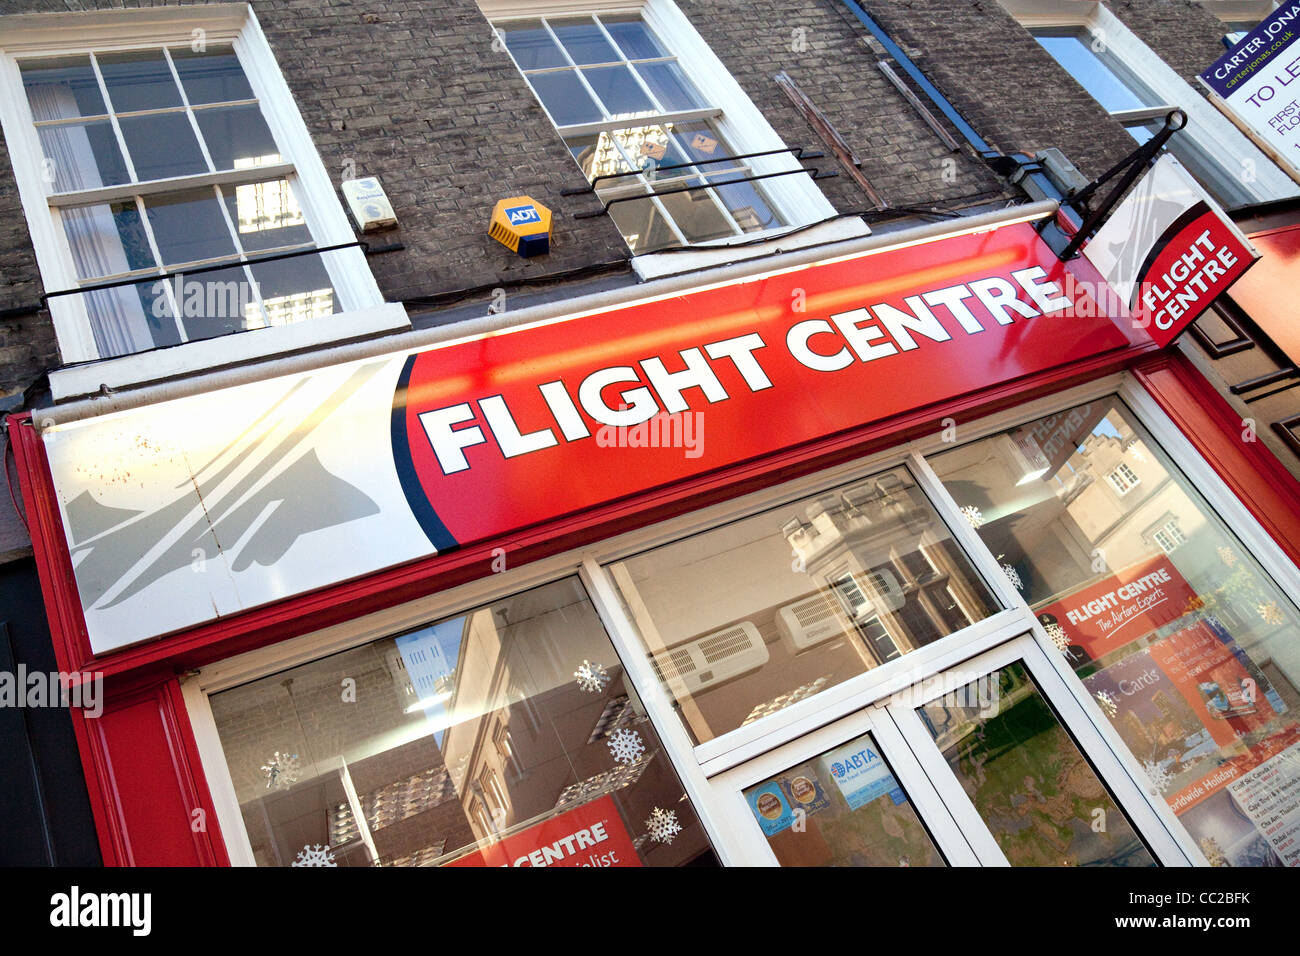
[117,316]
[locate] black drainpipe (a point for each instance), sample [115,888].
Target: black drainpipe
[999,162]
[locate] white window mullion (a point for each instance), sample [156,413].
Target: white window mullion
[607,118]
[659,107]
[577,70]
[112,119]
[189,113]
[712,191]
[243,256]
[672,733]
[54,36]
[1010,597]
[660,111]
[644,183]
[168,283]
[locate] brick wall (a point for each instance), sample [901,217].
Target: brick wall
[411,92]
[822,47]
[1006,85]
[1181,32]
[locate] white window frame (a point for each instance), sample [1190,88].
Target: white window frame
[797,197]
[1212,133]
[699,767]
[362,307]
[1239,11]
[1119,478]
[1171,530]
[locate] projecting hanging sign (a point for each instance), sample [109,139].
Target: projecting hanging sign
[1168,250]
[202,507]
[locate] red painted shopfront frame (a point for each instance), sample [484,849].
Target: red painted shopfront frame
[144,777]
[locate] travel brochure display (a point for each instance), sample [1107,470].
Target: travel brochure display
[1215,739]
[1270,796]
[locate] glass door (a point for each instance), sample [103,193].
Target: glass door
[1027,777]
[989,763]
[849,794]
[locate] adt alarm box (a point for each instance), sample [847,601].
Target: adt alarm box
[522,225]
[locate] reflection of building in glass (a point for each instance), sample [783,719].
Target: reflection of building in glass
[265,205]
[1100,501]
[888,562]
[747,619]
[290,308]
[373,785]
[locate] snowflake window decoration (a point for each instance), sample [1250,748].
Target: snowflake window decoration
[663,825]
[1159,777]
[625,745]
[282,771]
[1227,555]
[314,856]
[1272,614]
[1058,636]
[592,677]
[1138,454]
[1107,702]
[974,516]
[1213,852]
[1013,576]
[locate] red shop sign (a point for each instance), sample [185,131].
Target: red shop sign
[296,483]
[506,431]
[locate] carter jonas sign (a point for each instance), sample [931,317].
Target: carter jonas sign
[1258,82]
[205,506]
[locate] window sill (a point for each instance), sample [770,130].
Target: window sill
[655,265]
[240,347]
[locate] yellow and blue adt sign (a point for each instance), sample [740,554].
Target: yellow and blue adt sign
[522,225]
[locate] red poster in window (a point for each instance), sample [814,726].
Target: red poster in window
[1123,607]
[1211,677]
[591,835]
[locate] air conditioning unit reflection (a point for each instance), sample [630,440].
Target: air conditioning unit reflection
[811,621]
[709,660]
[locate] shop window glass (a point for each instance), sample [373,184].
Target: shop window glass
[746,619]
[842,808]
[1029,783]
[1186,644]
[503,736]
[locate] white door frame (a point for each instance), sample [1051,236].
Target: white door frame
[933,790]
